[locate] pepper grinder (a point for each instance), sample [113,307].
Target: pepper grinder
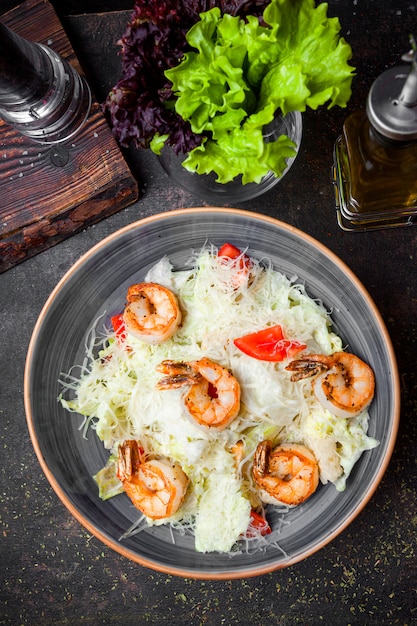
[41,95]
[375,158]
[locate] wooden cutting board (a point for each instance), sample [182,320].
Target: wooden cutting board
[48,193]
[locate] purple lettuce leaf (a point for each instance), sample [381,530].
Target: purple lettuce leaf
[141,103]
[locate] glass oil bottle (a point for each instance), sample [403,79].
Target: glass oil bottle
[375,158]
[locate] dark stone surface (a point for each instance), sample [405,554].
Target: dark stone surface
[55,572]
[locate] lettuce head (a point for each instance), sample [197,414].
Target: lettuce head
[240,73]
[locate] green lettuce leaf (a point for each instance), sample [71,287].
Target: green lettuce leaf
[211,90]
[239,74]
[312,68]
[241,152]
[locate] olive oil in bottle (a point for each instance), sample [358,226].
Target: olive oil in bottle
[375,158]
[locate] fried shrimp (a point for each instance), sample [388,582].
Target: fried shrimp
[156,487]
[213,397]
[343,383]
[152,313]
[287,474]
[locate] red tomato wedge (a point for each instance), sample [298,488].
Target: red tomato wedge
[229,251]
[269,344]
[242,263]
[118,325]
[257,526]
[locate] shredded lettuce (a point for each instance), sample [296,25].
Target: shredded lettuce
[222,501]
[117,393]
[108,483]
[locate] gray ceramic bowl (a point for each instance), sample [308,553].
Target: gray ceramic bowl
[97,284]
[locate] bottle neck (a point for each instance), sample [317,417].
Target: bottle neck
[387,142]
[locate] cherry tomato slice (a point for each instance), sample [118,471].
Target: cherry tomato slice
[242,262]
[118,325]
[229,251]
[269,344]
[257,526]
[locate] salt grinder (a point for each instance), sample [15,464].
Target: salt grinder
[41,95]
[375,158]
